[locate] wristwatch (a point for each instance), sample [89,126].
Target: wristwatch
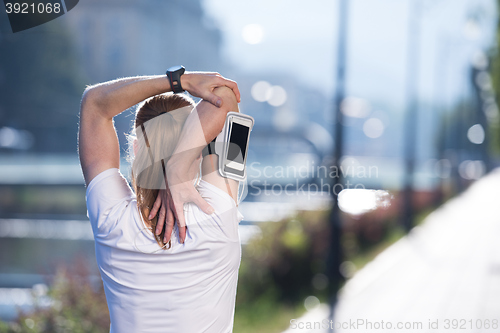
[174,75]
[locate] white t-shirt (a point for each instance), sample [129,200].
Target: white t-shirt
[188,288]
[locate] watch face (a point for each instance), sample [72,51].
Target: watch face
[174,68]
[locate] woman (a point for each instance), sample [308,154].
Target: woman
[157,277]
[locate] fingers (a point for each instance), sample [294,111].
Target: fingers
[161,220]
[169,222]
[182,233]
[234,87]
[155,208]
[201,84]
[179,215]
[201,203]
[213,99]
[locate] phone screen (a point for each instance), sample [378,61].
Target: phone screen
[238,143]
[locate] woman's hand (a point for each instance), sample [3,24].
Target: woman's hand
[169,203]
[163,207]
[202,84]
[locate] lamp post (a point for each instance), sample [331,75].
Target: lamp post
[335,255]
[411,114]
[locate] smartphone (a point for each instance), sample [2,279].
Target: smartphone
[237,145]
[235,150]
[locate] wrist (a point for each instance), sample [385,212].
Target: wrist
[174,75]
[173,168]
[186,81]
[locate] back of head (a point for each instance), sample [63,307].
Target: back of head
[158,124]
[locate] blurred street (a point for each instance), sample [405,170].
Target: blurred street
[445,273]
[373,167]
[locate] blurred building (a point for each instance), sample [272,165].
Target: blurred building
[117,38]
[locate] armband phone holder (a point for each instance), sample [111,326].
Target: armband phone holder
[231,145]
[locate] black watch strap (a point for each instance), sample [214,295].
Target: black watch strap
[174,76]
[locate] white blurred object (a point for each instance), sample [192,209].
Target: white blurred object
[480,60]
[475,134]
[491,112]
[284,119]
[311,302]
[483,80]
[253,33]
[360,201]
[373,128]
[261,91]
[355,107]
[277,96]
[471,169]
[15,139]
[46,229]
[248,232]
[347,269]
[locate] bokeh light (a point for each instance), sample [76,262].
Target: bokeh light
[471,170]
[355,107]
[284,119]
[261,91]
[347,269]
[475,134]
[491,112]
[480,60]
[253,33]
[360,201]
[483,80]
[311,302]
[277,96]
[15,139]
[373,128]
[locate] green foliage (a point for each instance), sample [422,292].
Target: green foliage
[276,274]
[494,130]
[277,270]
[281,263]
[265,316]
[274,279]
[77,306]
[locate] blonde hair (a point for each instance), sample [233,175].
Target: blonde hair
[158,124]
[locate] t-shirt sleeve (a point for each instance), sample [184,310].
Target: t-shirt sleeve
[108,194]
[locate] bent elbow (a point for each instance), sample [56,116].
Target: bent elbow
[88,98]
[229,102]
[91,100]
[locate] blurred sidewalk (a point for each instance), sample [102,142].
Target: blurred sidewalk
[446,269]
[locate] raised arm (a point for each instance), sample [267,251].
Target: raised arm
[201,127]
[98,143]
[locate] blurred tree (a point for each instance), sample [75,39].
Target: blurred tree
[74,304]
[280,265]
[40,86]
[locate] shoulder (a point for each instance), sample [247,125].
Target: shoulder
[107,194]
[109,183]
[219,199]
